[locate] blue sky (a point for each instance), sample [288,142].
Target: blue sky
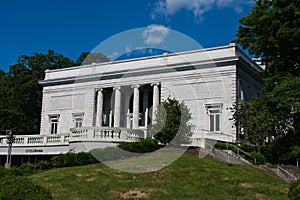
[73,26]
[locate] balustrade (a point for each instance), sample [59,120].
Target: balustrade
[108,134]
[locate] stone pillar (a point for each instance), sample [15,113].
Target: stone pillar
[155,99]
[136,104]
[110,119]
[117,110]
[128,119]
[99,115]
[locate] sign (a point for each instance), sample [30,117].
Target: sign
[34,151]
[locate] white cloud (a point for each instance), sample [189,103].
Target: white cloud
[155,34]
[198,7]
[113,56]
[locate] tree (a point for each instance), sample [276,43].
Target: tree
[272,31]
[171,123]
[21,102]
[90,57]
[276,117]
[255,121]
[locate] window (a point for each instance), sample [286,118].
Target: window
[53,123]
[78,119]
[214,112]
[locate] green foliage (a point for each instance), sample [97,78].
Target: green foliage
[294,190]
[271,31]
[21,94]
[255,120]
[26,168]
[275,117]
[21,99]
[72,159]
[83,158]
[256,158]
[86,58]
[142,146]
[43,165]
[172,122]
[19,188]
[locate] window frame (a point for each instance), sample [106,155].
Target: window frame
[78,119]
[53,121]
[214,112]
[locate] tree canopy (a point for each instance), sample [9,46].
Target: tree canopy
[86,58]
[21,94]
[271,31]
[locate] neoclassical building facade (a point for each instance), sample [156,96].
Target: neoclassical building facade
[126,94]
[102,104]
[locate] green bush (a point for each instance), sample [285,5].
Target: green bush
[18,187]
[69,159]
[58,161]
[294,191]
[142,146]
[260,159]
[27,168]
[84,158]
[72,159]
[44,164]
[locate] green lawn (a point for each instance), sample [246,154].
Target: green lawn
[189,177]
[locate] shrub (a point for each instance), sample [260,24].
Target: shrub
[142,146]
[84,158]
[17,187]
[26,169]
[72,159]
[294,191]
[58,161]
[260,159]
[69,159]
[44,164]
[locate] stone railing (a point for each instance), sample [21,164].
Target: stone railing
[36,140]
[106,134]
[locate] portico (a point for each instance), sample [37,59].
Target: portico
[127,106]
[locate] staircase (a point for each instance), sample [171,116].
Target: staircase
[286,173]
[227,155]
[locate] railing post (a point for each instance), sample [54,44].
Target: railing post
[26,140]
[62,139]
[45,139]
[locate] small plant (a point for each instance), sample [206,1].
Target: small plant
[294,191]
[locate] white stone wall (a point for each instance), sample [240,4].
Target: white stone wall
[199,78]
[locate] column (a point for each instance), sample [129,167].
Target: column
[136,103]
[99,108]
[155,100]
[117,111]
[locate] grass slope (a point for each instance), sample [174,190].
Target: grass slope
[189,177]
